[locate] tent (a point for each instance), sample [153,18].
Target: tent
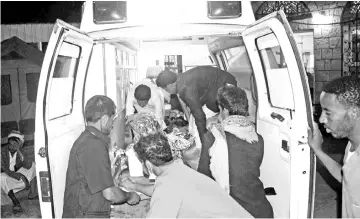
[20,72]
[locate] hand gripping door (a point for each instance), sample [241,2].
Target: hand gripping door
[284,113]
[59,112]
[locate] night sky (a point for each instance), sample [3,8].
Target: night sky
[19,12]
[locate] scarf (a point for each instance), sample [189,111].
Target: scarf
[219,159]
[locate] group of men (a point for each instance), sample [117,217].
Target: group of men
[90,188]
[87,195]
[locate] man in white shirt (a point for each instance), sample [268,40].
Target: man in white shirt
[145,97]
[17,170]
[340,102]
[179,191]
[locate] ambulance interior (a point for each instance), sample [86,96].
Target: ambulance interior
[120,57]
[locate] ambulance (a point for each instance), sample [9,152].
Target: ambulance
[119,40]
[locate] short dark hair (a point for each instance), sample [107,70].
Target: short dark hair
[97,106]
[142,93]
[165,78]
[154,148]
[346,89]
[233,99]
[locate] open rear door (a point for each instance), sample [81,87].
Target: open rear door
[284,113]
[59,112]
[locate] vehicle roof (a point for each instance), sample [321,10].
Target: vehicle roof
[164,18]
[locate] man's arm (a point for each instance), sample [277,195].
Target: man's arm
[331,165]
[191,98]
[204,162]
[95,164]
[25,162]
[5,166]
[315,141]
[118,196]
[158,102]
[131,183]
[130,102]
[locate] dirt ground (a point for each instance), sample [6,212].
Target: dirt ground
[327,193]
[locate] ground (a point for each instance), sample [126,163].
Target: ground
[327,196]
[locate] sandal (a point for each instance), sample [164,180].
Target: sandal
[17,209]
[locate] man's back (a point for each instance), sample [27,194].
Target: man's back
[87,175]
[205,80]
[183,192]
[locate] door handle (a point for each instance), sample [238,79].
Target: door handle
[285,146]
[277,116]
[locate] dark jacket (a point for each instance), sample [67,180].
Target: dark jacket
[5,163]
[244,172]
[198,87]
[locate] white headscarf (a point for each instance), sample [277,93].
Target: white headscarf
[17,134]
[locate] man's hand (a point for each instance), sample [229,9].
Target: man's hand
[134,198]
[129,118]
[26,181]
[315,139]
[128,184]
[212,120]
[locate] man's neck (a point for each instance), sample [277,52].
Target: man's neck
[355,139]
[12,152]
[158,171]
[95,125]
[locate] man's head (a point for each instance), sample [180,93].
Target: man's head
[340,101]
[232,100]
[142,95]
[166,80]
[100,113]
[15,140]
[154,150]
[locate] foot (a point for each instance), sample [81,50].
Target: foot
[17,209]
[32,196]
[33,189]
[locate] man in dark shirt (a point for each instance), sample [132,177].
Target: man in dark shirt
[90,189]
[197,87]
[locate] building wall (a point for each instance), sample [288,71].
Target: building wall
[327,41]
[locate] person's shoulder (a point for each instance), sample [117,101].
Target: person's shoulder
[86,141]
[5,149]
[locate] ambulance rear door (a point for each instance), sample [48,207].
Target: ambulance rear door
[59,112]
[283,115]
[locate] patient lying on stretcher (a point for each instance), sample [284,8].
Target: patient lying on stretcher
[143,124]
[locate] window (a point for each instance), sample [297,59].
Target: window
[44,46]
[62,85]
[239,65]
[32,82]
[276,72]
[106,12]
[224,9]
[6,94]
[238,59]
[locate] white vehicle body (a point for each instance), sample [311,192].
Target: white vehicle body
[80,63]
